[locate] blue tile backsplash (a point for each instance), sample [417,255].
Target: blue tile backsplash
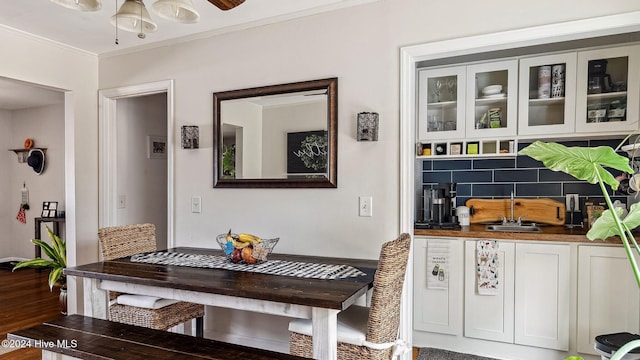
[496,178]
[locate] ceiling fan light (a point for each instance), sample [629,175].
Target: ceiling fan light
[129,16]
[181,11]
[83,5]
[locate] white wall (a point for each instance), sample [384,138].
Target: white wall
[358,45]
[45,125]
[36,61]
[142,180]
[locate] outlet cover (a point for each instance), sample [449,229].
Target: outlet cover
[122,201]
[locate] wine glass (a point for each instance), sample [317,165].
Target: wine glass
[436,89]
[451,87]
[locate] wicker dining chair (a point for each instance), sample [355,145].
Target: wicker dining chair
[127,240]
[366,333]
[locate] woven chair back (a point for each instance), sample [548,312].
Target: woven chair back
[384,312]
[121,241]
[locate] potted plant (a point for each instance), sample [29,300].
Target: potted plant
[590,164]
[57,253]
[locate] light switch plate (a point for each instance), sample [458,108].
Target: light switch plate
[365,206]
[196,204]
[568,202]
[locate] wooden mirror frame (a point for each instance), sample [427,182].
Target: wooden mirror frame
[330,181]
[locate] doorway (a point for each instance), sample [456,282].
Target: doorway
[136,157]
[38,112]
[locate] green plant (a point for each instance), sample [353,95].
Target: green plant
[590,164]
[57,252]
[229,161]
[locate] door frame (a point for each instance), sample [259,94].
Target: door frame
[107,150]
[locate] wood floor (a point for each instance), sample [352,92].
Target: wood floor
[25,301]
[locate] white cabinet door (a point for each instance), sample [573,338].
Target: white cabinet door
[541,113]
[608,296]
[489,317]
[437,310]
[608,89]
[492,99]
[542,295]
[441,102]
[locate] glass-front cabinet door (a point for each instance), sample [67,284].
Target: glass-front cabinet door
[547,86]
[492,99]
[441,103]
[608,81]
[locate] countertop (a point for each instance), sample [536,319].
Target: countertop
[549,233]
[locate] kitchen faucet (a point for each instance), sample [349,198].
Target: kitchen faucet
[511,220]
[512,201]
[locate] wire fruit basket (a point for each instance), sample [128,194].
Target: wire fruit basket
[245,248]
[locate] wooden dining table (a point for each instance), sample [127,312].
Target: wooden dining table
[317,299]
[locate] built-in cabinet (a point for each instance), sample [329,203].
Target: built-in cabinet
[442,99]
[542,295]
[438,309]
[532,307]
[608,295]
[482,109]
[608,89]
[490,317]
[468,110]
[492,95]
[543,109]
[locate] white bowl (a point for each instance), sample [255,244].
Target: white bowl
[492,89]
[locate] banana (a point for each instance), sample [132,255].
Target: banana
[240,245]
[248,238]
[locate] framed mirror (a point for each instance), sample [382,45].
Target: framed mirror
[278,136]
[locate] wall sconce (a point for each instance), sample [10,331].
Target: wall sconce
[190,137]
[367,126]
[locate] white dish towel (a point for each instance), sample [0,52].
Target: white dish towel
[437,264]
[487,262]
[143,301]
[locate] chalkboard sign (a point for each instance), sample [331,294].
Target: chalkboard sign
[307,152]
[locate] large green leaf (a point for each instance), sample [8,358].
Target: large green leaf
[59,247]
[582,163]
[54,276]
[632,220]
[50,251]
[37,263]
[605,226]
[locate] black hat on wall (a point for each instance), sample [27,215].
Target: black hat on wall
[36,160]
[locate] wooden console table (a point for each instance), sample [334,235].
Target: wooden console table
[38,224]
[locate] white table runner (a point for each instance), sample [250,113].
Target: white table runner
[272,267]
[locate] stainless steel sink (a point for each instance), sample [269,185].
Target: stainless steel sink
[513,228]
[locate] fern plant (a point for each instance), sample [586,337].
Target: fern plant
[57,253]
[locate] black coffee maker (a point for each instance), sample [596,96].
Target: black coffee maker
[439,206]
[598,81]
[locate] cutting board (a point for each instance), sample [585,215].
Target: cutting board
[544,211]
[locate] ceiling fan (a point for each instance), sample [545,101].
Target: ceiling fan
[134,17]
[226,4]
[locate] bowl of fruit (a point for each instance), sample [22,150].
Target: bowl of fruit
[246,248]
